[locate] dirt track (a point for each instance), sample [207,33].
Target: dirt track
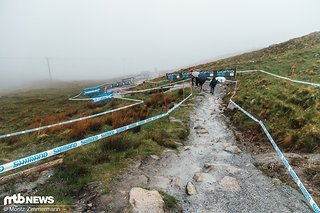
[225,178]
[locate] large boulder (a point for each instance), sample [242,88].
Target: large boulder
[143,200]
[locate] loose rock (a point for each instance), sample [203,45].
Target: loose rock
[178,182]
[229,184]
[155,157]
[146,201]
[233,149]
[202,131]
[198,177]
[191,189]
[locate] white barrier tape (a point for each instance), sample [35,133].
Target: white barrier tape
[245,71]
[154,88]
[296,179]
[305,192]
[80,99]
[285,78]
[231,81]
[58,150]
[75,96]
[173,88]
[245,112]
[156,82]
[71,121]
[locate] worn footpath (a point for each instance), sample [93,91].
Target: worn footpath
[208,174]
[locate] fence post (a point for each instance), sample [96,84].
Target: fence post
[164,100]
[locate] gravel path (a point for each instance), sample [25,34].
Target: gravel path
[224,177]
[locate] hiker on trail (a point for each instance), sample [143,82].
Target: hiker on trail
[212,85]
[194,75]
[201,79]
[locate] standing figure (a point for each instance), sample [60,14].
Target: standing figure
[194,75]
[212,85]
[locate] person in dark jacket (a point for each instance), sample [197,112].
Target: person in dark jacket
[212,85]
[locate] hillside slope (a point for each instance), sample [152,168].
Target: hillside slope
[279,58]
[293,110]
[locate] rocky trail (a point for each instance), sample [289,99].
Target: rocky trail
[208,174]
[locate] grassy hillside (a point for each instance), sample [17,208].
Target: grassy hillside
[99,161]
[293,110]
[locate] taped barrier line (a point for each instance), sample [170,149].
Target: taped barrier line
[154,88]
[296,179]
[245,112]
[74,120]
[156,82]
[285,78]
[61,149]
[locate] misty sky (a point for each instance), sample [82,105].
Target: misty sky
[91,39]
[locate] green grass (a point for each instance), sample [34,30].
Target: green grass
[169,200]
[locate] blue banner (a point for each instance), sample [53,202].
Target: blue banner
[91,91]
[103,97]
[204,74]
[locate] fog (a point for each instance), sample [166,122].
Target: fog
[100,39]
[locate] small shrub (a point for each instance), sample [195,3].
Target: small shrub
[169,200]
[79,129]
[155,100]
[93,105]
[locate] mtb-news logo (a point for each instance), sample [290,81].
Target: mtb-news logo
[19,199]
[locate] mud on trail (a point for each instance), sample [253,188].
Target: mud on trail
[224,177]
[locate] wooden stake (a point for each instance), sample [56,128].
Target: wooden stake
[27,172]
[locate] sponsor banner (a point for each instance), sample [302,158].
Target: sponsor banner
[204,74]
[103,97]
[92,91]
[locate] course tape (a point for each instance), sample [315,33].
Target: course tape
[156,82]
[305,192]
[245,71]
[58,150]
[296,179]
[72,121]
[285,78]
[165,86]
[245,112]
